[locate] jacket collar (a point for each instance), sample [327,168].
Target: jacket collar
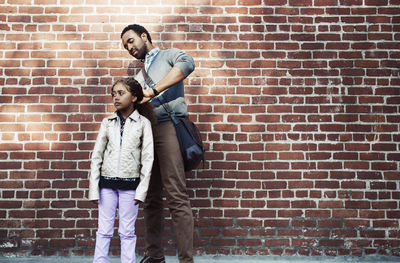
[134,116]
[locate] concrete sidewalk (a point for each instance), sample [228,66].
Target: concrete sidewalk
[212,259]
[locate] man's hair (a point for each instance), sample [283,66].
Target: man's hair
[138,29]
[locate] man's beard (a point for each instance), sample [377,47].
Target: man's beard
[141,54]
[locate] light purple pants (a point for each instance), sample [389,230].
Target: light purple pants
[127,213]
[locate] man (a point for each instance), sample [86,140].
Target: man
[167,69]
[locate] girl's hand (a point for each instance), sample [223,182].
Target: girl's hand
[137,202]
[96,202]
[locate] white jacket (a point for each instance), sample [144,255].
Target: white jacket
[111,159]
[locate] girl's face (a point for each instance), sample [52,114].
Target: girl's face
[123,99]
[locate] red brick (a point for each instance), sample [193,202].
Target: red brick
[278,204]
[61,243]
[276,242]
[10,165]
[303,204]
[10,204]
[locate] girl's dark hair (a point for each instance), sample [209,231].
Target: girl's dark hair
[138,29]
[146,109]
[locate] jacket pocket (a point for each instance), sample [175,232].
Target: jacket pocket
[136,161]
[107,162]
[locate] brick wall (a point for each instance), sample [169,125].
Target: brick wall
[297,101]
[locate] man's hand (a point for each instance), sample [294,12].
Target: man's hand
[174,76]
[148,94]
[137,202]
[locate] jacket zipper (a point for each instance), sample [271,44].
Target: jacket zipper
[120,145]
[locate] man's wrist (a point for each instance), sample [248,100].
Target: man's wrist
[155,92]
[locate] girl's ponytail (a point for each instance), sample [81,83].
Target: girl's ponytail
[147,110]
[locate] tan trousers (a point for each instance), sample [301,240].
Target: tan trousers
[168,173]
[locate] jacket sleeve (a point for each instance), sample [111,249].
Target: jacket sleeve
[183,61]
[97,161]
[147,158]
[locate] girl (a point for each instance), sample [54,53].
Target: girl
[120,170]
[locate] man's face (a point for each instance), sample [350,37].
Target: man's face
[136,45]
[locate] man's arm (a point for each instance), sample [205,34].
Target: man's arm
[174,76]
[183,65]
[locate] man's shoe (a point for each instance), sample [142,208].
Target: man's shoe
[148,259]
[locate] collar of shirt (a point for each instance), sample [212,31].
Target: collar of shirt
[150,57]
[134,116]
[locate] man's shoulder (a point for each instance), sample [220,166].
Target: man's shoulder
[170,51]
[171,54]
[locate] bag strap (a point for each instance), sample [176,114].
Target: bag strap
[170,112]
[150,83]
[160,98]
[147,78]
